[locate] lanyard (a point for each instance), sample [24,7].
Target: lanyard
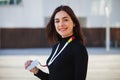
[55,56]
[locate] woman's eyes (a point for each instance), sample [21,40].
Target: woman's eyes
[64,20]
[57,21]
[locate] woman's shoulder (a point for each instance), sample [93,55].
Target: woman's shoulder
[77,46]
[77,43]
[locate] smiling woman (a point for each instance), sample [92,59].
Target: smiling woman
[64,24]
[69,57]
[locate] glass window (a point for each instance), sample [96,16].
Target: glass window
[10,2]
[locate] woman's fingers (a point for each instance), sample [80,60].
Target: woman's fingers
[34,70]
[27,63]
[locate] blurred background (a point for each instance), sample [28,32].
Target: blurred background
[22,35]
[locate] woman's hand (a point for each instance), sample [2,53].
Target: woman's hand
[27,63]
[33,70]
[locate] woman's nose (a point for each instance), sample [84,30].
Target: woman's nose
[61,23]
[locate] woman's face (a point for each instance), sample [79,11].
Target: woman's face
[63,24]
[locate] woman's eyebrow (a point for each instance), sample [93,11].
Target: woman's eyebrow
[62,18]
[65,17]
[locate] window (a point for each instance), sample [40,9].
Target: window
[10,2]
[83,21]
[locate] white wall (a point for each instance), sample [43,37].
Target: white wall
[27,14]
[31,13]
[93,10]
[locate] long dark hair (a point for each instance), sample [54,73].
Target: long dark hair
[51,32]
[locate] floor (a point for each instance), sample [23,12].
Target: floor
[102,65]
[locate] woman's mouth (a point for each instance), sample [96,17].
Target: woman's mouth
[63,29]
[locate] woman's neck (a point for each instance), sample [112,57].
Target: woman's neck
[67,36]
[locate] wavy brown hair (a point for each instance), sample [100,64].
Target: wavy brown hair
[51,32]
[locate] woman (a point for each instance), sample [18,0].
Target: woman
[69,58]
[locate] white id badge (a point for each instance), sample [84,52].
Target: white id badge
[32,65]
